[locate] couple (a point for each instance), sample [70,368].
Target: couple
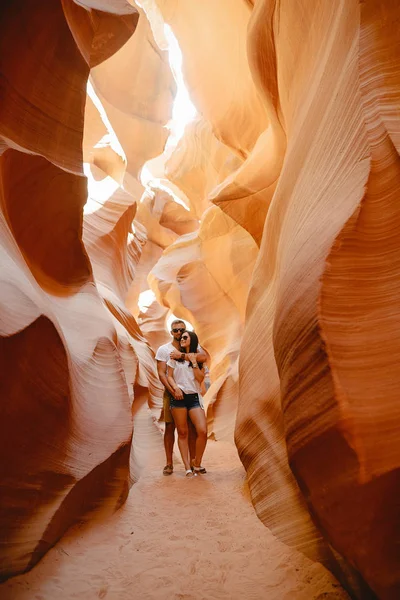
[180,369]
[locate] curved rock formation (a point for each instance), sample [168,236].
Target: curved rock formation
[318,172]
[136,89]
[37,112]
[60,369]
[310,387]
[71,356]
[270,225]
[99,34]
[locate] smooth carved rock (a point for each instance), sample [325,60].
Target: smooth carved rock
[291,278]
[115,7]
[136,89]
[319,304]
[43,207]
[199,163]
[246,195]
[98,34]
[69,359]
[41,113]
[216,54]
[115,245]
[59,370]
[225,93]
[105,234]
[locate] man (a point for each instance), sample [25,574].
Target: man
[164,353]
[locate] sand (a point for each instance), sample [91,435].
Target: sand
[178,539]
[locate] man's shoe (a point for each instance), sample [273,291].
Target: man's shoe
[168,470]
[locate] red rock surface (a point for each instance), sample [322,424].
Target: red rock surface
[271,226]
[322,300]
[67,372]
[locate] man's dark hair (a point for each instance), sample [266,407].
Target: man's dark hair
[177,321]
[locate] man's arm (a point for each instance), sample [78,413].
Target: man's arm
[162,375]
[201,357]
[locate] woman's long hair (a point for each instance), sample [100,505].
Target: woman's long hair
[194,342]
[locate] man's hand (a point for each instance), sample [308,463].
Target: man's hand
[175,354]
[178,394]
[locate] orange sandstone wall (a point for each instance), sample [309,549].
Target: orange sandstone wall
[318,362]
[274,233]
[69,361]
[306,96]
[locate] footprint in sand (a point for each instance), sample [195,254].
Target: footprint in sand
[224,546]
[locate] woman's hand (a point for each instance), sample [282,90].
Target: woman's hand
[178,394]
[192,357]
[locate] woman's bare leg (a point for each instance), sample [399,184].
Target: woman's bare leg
[180,418]
[198,418]
[192,440]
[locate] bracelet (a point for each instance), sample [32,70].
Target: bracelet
[182,355]
[195,365]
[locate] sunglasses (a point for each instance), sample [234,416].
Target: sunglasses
[176,329]
[185,337]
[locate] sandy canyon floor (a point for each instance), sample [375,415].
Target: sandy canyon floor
[178,539]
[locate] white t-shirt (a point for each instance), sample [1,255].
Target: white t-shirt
[164,351]
[184,376]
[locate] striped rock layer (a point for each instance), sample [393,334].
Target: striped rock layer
[272,226]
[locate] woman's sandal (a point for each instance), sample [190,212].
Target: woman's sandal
[200,469]
[189,473]
[168,470]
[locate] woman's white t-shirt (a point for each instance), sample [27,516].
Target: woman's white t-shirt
[184,376]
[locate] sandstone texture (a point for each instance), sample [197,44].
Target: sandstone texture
[71,355]
[269,222]
[315,189]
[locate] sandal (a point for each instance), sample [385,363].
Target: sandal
[200,469]
[168,470]
[189,473]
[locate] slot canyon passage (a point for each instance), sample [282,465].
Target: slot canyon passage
[234,163]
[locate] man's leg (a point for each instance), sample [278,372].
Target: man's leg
[169,434]
[169,440]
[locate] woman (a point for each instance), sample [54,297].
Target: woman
[185,377]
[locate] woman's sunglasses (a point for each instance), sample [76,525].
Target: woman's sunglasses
[185,337]
[176,329]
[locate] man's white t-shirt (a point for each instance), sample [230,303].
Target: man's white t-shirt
[184,376]
[164,351]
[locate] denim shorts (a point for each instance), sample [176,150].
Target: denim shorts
[189,401]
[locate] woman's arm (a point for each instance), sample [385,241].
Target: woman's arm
[178,394]
[198,373]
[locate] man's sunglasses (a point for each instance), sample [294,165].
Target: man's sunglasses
[176,329]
